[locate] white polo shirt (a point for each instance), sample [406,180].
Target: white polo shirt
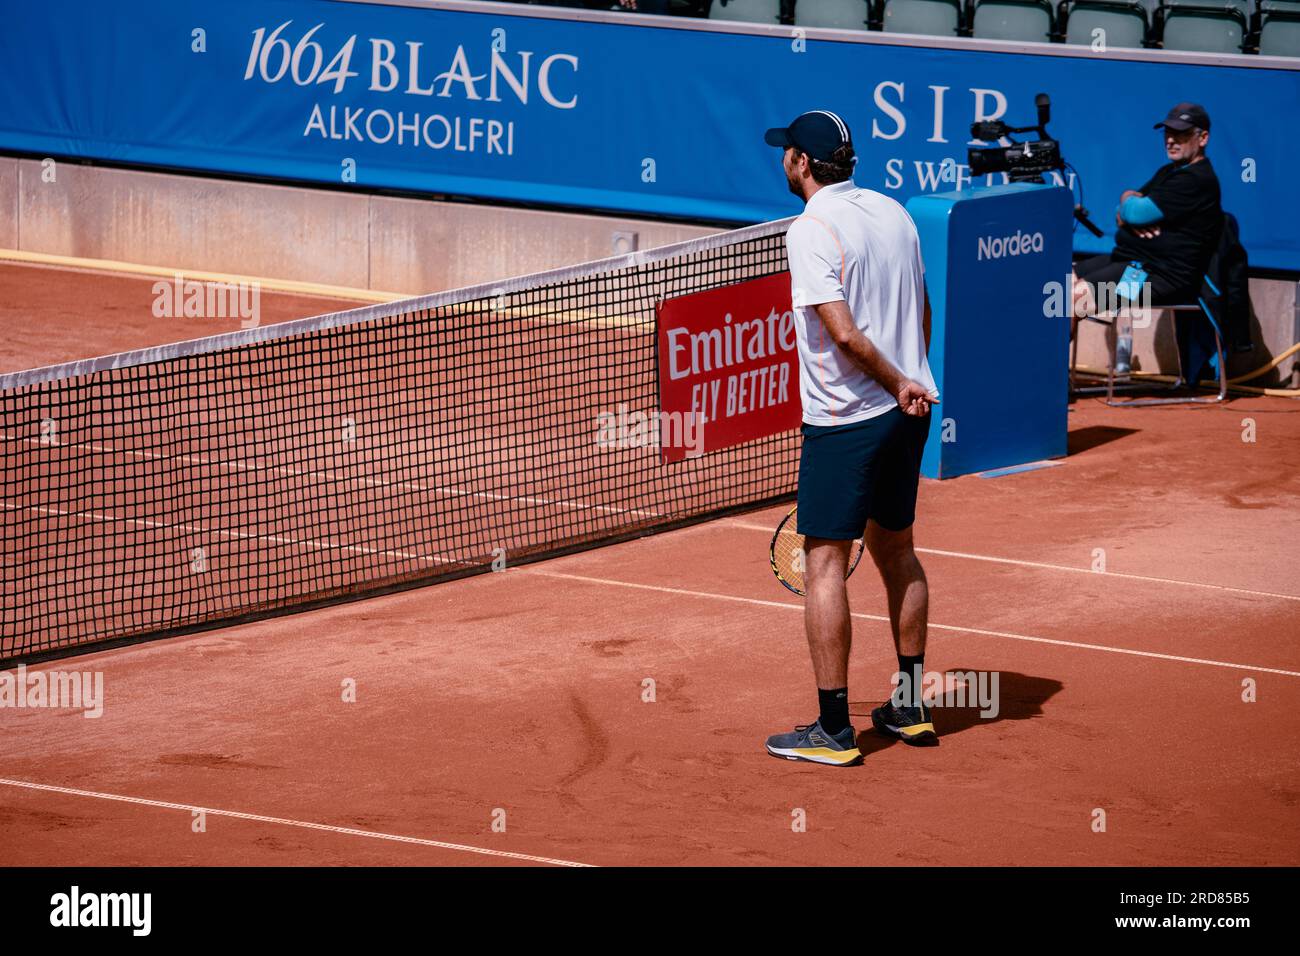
[860,247]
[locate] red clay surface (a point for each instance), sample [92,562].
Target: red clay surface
[522,692]
[53,315]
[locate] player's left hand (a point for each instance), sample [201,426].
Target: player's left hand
[915,399]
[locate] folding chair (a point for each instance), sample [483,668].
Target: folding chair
[1123,381]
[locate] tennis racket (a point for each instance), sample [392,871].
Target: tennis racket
[788,556]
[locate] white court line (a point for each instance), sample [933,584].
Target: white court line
[238,465]
[1062,567]
[682,592]
[281,821]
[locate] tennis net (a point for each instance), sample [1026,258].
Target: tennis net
[244,474]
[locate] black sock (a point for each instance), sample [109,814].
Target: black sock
[834,709]
[913,668]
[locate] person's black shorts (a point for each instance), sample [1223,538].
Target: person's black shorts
[865,470]
[1109,267]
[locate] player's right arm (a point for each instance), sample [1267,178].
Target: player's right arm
[925,318]
[912,397]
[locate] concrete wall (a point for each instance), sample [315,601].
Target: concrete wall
[312,235]
[1275,327]
[195,223]
[8,203]
[427,246]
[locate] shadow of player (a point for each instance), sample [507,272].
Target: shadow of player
[1019,697]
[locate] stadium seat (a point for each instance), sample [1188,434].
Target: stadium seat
[1151,6]
[1279,33]
[1013,20]
[928,17]
[1214,5]
[748,11]
[1124,22]
[1203,29]
[843,14]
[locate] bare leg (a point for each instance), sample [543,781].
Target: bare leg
[826,618]
[826,611]
[1083,303]
[906,589]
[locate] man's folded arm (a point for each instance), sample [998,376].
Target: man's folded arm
[1140,211]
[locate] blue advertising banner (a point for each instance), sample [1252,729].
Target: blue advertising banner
[605,113]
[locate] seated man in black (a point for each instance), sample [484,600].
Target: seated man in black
[1168,229]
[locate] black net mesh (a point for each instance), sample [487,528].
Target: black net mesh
[254,472]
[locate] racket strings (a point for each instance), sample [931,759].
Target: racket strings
[789,555]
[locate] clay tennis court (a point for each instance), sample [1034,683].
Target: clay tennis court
[520,696]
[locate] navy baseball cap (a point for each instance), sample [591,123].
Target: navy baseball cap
[1185,116]
[819,133]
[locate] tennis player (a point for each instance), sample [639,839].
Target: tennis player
[863,329]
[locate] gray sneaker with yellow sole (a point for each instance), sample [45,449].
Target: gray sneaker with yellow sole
[809,742]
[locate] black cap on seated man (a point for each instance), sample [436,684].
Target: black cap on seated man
[1185,116]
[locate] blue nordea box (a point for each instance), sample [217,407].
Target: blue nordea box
[999,339]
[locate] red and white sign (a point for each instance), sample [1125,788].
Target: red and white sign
[728,366]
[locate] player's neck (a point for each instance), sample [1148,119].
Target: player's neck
[811,188]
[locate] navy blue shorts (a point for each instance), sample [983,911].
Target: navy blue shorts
[865,470]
